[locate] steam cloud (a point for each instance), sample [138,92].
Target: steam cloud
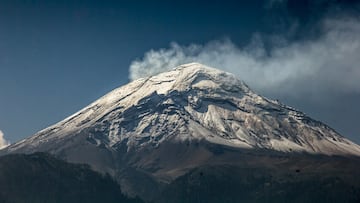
[329,63]
[3,143]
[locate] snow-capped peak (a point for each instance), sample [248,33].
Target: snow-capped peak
[190,103]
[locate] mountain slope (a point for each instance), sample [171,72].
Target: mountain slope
[40,177]
[310,180]
[153,130]
[195,102]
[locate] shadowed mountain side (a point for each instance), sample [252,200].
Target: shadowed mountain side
[41,178]
[293,180]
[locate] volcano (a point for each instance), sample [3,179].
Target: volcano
[155,133]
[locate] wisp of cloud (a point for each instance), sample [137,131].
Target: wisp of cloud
[3,143]
[328,63]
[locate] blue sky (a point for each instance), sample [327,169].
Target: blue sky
[58,56]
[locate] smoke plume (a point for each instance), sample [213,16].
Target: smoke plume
[329,63]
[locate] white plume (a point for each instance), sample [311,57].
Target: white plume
[3,142]
[329,63]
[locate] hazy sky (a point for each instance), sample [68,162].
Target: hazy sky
[58,56]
